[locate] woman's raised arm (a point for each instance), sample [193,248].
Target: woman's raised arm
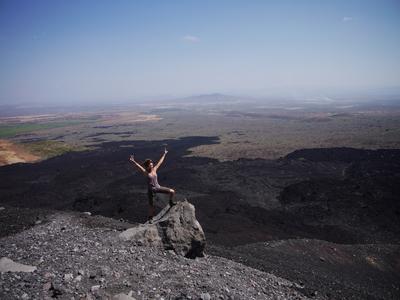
[132,159]
[161,159]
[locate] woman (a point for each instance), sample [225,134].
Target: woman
[150,171]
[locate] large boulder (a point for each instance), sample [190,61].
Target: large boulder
[174,228]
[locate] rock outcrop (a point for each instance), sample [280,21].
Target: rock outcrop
[8,265]
[174,228]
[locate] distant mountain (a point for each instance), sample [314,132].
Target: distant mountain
[211,98]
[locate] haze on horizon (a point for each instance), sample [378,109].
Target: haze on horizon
[89,51]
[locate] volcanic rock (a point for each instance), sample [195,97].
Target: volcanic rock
[123,296]
[174,228]
[8,265]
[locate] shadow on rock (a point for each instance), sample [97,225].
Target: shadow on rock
[174,228]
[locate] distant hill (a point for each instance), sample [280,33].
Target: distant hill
[211,98]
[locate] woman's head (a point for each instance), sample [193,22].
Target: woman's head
[148,164]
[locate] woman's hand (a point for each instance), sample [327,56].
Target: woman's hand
[165,150]
[132,159]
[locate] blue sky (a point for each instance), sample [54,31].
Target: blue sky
[68,51]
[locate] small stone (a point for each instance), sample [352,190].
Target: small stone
[47,286]
[123,296]
[68,277]
[78,278]
[127,283]
[205,296]
[25,296]
[88,213]
[117,275]
[48,275]
[104,271]
[2,208]
[88,297]
[81,272]
[95,288]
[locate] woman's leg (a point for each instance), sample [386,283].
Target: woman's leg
[171,197]
[151,205]
[151,212]
[165,190]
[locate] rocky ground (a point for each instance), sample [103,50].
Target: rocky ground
[341,195]
[335,271]
[78,256]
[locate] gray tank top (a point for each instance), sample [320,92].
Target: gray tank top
[152,180]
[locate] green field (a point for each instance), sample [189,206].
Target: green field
[8,131]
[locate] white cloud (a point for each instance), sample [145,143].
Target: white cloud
[347,19]
[191,39]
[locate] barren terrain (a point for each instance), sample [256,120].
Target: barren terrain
[11,153]
[307,193]
[245,129]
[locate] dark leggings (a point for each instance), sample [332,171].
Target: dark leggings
[158,190]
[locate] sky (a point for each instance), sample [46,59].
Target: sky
[87,51]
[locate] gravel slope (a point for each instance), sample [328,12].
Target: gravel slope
[81,257]
[335,271]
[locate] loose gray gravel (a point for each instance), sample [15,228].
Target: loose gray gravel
[76,261]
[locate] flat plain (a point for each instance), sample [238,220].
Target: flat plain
[245,129]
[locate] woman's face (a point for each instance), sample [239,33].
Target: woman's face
[150,167]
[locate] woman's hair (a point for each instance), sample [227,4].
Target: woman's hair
[147,163]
